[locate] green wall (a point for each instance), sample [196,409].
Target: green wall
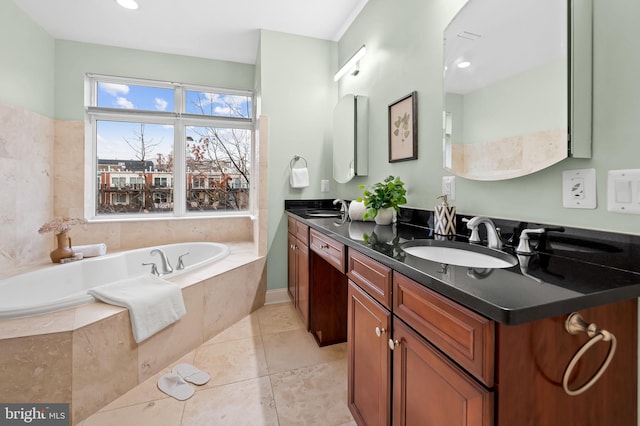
[26,69]
[404,53]
[297,94]
[74,59]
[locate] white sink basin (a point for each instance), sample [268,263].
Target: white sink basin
[459,254]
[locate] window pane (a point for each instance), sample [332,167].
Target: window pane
[135,168]
[129,96]
[217,104]
[218,168]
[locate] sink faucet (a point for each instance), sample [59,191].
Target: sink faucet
[343,205]
[493,238]
[166,266]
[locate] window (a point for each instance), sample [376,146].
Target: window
[166,149]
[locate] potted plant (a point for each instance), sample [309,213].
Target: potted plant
[383,198]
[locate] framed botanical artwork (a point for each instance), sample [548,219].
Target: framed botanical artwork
[403,128]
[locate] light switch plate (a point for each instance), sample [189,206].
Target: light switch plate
[623,191]
[579,189]
[449,187]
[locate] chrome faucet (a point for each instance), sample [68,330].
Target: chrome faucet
[493,237]
[343,205]
[166,266]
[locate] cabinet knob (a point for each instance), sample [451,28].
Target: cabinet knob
[324,246]
[393,344]
[380,331]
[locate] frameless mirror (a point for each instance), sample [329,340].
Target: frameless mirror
[517,83]
[350,154]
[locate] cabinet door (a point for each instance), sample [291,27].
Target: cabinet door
[292,265]
[430,390]
[369,358]
[302,288]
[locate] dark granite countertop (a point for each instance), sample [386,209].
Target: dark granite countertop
[550,283]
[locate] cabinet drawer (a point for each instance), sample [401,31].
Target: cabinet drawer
[327,248]
[299,229]
[371,276]
[463,335]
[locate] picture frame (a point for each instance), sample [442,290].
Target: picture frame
[403,128]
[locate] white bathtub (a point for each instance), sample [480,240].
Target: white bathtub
[63,286]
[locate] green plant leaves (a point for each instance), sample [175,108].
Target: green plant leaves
[388,193]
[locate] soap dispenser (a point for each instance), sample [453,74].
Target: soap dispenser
[445,218]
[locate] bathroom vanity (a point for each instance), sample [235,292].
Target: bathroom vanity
[435,344]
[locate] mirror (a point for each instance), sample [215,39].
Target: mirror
[517,87]
[350,154]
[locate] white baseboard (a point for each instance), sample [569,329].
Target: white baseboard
[277,295]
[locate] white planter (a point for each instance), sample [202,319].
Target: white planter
[385,216]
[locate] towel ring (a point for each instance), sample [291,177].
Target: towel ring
[295,159]
[574,324]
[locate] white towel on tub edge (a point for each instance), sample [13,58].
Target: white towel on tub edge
[153,303]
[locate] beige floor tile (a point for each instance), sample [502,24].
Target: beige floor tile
[294,349]
[233,361]
[278,318]
[148,390]
[165,412]
[244,403]
[247,327]
[315,395]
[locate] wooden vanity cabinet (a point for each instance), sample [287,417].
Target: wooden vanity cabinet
[298,264]
[369,330]
[327,290]
[369,358]
[428,388]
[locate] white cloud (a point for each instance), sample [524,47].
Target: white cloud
[161,104]
[220,110]
[114,89]
[124,103]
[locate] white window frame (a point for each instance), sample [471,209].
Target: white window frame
[180,120]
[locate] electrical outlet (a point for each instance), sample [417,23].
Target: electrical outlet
[449,187]
[579,189]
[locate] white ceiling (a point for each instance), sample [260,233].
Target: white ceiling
[214,29]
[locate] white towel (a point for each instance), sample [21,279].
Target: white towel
[299,177]
[90,250]
[153,303]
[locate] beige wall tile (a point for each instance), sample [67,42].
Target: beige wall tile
[36,369]
[105,364]
[174,341]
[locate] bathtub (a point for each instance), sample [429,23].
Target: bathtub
[63,286]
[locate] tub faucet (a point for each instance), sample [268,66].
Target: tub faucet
[166,266]
[493,237]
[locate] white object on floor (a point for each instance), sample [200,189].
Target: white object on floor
[191,374]
[299,177]
[153,303]
[91,250]
[175,386]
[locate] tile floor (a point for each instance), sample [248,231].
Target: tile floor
[265,370]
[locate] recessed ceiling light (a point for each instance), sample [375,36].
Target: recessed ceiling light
[128,4]
[464,64]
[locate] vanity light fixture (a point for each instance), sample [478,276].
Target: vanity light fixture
[128,4]
[464,64]
[352,63]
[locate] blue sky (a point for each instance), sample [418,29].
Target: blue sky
[111,135]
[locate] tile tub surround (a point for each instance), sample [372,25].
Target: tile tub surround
[87,355]
[265,370]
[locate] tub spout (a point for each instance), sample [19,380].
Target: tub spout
[166,266]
